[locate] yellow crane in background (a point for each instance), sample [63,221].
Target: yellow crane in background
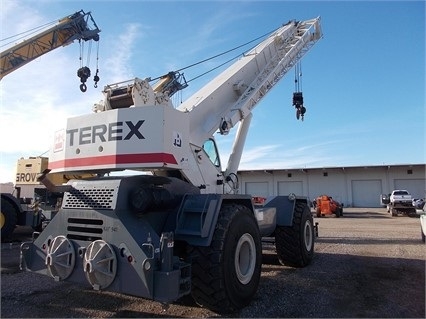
[78,26]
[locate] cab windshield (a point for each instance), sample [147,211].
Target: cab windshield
[209,147]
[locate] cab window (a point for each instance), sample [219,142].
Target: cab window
[209,147]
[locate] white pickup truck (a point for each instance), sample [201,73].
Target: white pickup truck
[399,202]
[401,196]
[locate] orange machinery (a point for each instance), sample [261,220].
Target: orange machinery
[326,205]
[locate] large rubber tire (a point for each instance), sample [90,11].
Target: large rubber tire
[8,219]
[412,213]
[225,275]
[295,244]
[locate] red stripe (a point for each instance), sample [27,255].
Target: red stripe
[115,159]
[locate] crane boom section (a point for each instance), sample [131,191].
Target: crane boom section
[68,29]
[232,95]
[136,126]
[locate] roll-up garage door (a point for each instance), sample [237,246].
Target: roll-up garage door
[366,193]
[416,187]
[257,189]
[285,188]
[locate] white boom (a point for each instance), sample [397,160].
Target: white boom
[154,136]
[231,96]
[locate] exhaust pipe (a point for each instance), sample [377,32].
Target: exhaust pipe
[42,178]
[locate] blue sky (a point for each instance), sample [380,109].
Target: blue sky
[363,83]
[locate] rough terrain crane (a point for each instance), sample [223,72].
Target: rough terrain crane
[181,228]
[77,26]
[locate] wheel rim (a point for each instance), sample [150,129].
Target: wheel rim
[245,258]
[2,220]
[308,235]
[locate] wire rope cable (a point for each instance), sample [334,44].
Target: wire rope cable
[24,34]
[216,56]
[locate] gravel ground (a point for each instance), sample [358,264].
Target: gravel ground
[367,264]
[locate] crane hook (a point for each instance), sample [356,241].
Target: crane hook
[83,73]
[300,112]
[96,78]
[298,104]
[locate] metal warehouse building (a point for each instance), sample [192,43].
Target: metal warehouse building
[356,186]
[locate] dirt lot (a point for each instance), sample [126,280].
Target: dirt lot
[367,264]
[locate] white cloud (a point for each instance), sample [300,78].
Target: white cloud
[117,65]
[256,154]
[16,18]
[280,156]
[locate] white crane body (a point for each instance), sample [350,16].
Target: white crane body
[184,228]
[162,137]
